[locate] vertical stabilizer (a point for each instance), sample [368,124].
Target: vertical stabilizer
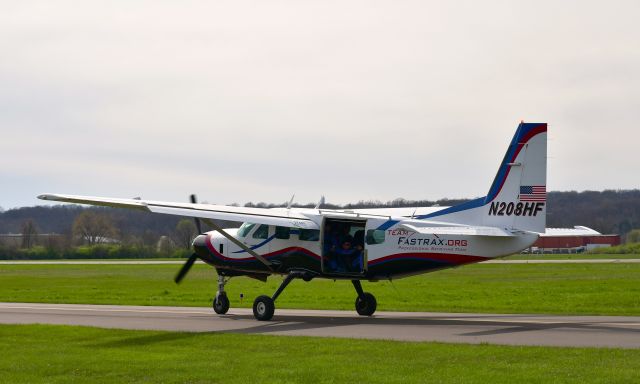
[517,198]
[518,195]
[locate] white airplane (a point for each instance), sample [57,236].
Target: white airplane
[365,244]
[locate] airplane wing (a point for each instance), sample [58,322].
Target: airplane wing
[281,217]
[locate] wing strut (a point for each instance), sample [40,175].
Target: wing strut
[238,243]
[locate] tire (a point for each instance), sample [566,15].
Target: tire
[263,308]
[367,306]
[221,304]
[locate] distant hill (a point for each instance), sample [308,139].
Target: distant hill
[607,211]
[59,219]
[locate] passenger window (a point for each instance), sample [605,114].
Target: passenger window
[375,236]
[309,234]
[262,232]
[245,228]
[283,233]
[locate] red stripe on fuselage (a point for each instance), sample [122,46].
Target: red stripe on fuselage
[215,252]
[454,259]
[451,258]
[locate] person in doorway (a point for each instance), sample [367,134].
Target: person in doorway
[329,247]
[345,255]
[345,234]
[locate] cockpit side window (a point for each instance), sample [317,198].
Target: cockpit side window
[262,232]
[245,228]
[283,232]
[309,234]
[375,236]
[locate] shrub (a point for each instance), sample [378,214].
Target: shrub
[101,251]
[629,248]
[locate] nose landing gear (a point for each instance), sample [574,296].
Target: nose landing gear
[221,301]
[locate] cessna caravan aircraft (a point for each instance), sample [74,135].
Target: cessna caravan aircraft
[365,244]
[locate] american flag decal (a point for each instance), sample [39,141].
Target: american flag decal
[533,193]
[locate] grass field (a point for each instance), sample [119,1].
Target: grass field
[575,256]
[62,354]
[512,288]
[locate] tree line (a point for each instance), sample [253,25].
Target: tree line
[73,232]
[65,227]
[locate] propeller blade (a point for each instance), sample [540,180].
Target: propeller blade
[194,200]
[185,268]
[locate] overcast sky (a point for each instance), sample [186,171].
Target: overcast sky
[243,101]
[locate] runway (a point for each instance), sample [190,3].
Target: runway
[584,331]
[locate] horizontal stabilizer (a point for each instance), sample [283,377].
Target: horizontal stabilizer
[459,231]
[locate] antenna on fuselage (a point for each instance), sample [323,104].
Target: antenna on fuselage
[320,203]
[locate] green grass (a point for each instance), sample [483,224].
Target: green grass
[517,256]
[63,354]
[611,289]
[575,256]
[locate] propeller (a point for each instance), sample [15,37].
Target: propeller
[185,268]
[192,259]
[194,200]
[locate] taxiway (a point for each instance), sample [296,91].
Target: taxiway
[508,329]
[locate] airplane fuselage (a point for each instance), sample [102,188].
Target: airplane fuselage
[385,252]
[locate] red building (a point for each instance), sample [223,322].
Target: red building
[572,240]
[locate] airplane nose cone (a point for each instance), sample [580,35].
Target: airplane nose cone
[200,241]
[200,247]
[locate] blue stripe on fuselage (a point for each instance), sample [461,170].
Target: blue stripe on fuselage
[388,224]
[258,245]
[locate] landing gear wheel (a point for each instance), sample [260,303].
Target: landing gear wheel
[221,304]
[263,308]
[367,306]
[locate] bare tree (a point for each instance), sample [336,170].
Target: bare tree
[94,228]
[29,234]
[165,245]
[186,231]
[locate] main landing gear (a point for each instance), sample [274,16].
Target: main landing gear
[365,302]
[221,301]
[264,306]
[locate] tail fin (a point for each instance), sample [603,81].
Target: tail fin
[517,197]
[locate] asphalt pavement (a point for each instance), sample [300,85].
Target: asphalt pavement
[509,329]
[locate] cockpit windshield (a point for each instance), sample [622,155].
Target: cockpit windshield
[245,228]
